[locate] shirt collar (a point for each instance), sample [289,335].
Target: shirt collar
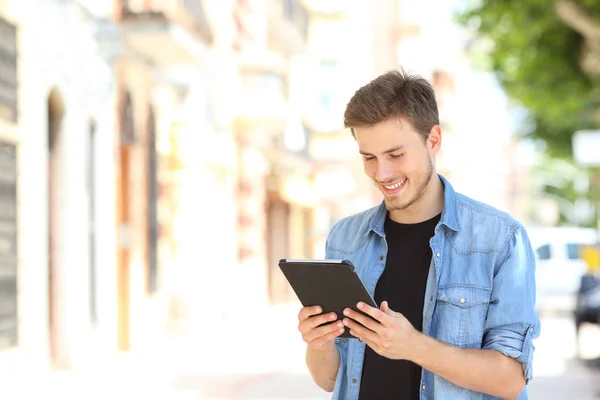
[449,215]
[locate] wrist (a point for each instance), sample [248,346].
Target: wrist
[417,347]
[323,350]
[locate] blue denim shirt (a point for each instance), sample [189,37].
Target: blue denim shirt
[480,291]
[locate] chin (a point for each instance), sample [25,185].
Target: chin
[394,204]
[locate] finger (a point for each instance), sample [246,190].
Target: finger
[322,332]
[323,340]
[313,322]
[360,331]
[368,342]
[376,313]
[363,320]
[307,312]
[385,307]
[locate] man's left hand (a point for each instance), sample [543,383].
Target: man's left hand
[388,333]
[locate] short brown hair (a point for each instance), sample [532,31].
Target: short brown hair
[394,94]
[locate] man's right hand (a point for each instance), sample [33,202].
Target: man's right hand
[314,333]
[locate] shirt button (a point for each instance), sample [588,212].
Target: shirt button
[462,300]
[353,380]
[438,254]
[380,258]
[530,329]
[423,387]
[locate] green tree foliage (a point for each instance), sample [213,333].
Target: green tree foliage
[537,57]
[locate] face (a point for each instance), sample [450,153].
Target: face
[398,161]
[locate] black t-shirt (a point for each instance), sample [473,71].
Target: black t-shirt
[402,284]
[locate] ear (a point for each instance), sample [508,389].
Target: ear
[434,141]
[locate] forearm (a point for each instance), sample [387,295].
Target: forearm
[486,371]
[323,366]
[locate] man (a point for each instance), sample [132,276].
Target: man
[454,278]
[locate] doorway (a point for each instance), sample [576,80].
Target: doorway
[126,140]
[278,247]
[55,116]
[91,214]
[153,228]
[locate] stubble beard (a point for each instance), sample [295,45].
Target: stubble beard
[420,190]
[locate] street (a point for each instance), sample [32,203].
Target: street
[263,359]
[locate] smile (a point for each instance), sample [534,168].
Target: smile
[395,186]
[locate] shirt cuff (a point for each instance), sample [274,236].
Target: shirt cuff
[513,344]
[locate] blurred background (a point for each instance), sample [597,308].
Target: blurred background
[158,157]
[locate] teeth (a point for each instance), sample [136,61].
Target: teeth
[394,186]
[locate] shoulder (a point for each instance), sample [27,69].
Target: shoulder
[475,212]
[483,228]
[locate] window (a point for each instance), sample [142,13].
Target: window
[127,124]
[543,252]
[90,185]
[152,283]
[8,246]
[328,97]
[573,251]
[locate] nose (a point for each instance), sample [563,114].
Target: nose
[383,172]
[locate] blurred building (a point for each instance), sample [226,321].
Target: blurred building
[56,170]
[10,146]
[112,123]
[341,48]
[275,194]
[160,56]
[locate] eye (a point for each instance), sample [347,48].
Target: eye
[369,158]
[398,155]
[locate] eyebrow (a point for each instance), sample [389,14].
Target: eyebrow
[385,152]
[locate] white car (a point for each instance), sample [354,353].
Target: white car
[559,266]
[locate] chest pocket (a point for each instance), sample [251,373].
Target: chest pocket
[461,312]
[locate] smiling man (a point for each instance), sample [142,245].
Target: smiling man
[454,278]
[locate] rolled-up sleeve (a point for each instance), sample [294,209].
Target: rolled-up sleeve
[512,323]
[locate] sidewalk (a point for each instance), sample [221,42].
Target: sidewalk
[244,355]
[237,356]
[576,382]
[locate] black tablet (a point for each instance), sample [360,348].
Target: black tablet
[331,284]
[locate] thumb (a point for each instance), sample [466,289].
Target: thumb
[386,308]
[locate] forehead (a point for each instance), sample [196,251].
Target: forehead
[393,132]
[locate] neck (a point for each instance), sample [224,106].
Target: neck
[428,206]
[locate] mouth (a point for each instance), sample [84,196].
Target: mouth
[394,187]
